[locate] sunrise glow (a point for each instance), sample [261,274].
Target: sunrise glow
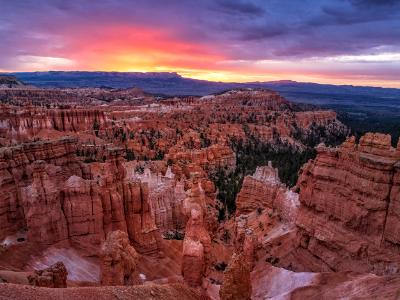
[211,40]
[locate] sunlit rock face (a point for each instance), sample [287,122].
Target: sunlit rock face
[197,242]
[263,190]
[20,125]
[236,284]
[166,196]
[348,208]
[32,176]
[56,197]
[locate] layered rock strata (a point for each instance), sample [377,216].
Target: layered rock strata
[21,125]
[263,190]
[197,242]
[118,260]
[348,218]
[236,283]
[210,159]
[48,191]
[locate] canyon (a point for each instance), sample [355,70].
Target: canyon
[117,193]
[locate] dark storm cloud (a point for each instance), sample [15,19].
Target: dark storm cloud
[375,3]
[239,7]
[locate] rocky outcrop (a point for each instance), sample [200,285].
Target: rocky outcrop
[197,242]
[267,99]
[349,208]
[21,125]
[23,171]
[305,119]
[140,222]
[210,159]
[54,276]
[42,208]
[118,260]
[82,207]
[48,191]
[263,190]
[9,81]
[166,196]
[236,284]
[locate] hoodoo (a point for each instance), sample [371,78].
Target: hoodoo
[238,195]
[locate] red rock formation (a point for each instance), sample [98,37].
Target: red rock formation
[48,191]
[210,159]
[83,210]
[166,196]
[118,260]
[263,190]
[306,119]
[236,284]
[54,276]
[197,242]
[22,170]
[140,222]
[42,207]
[348,217]
[22,125]
[252,97]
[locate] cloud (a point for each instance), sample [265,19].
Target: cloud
[239,7]
[195,35]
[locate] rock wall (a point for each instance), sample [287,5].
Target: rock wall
[210,159]
[166,197]
[46,190]
[264,189]
[197,242]
[348,218]
[236,284]
[21,125]
[23,169]
[118,260]
[306,118]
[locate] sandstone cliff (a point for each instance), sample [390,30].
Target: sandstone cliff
[20,125]
[118,260]
[236,284]
[49,192]
[197,242]
[349,208]
[263,190]
[210,159]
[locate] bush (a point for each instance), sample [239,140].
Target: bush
[174,235]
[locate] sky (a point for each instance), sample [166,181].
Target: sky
[327,41]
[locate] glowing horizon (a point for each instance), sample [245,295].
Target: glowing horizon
[228,41]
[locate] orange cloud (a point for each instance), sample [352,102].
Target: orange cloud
[127,48]
[121,47]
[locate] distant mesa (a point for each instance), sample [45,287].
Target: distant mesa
[9,81]
[173,84]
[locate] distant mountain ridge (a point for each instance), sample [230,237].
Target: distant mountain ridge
[9,81]
[170,83]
